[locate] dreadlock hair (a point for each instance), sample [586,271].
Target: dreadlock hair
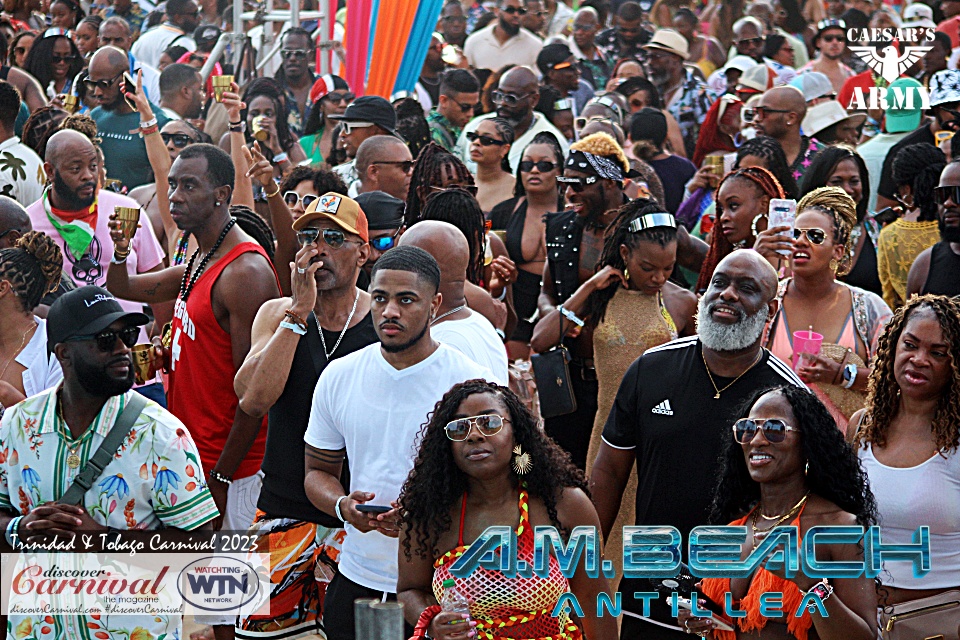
[883,391]
[820,171]
[460,208]
[720,247]
[436,483]
[271,89]
[32,267]
[255,227]
[919,166]
[834,203]
[506,133]
[547,138]
[428,172]
[41,124]
[83,123]
[770,150]
[834,472]
[412,125]
[622,236]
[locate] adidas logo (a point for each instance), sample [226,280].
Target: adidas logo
[663,408]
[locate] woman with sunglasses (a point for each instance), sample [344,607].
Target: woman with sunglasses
[55,62]
[484,461]
[908,437]
[318,139]
[29,270]
[814,299]
[20,47]
[490,149]
[841,166]
[785,464]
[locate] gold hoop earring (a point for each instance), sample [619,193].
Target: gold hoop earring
[521,461]
[834,265]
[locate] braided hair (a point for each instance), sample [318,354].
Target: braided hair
[255,227]
[720,247]
[460,208]
[506,133]
[41,124]
[83,123]
[834,203]
[883,391]
[33,267]
[770,150]
[621,235]
[919,166]
[428,172]
[547,138]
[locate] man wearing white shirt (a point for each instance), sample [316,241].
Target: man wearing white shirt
[503,41]
[369,406]
[183,17]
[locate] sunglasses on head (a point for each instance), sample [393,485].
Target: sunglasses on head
[458,430]
[291,198]
[103,84]
[348,127]
[814,235]
[943,194]
[384,242]
[507,99]
[180,140]
[514,10]
[56,59]
[333,237]
[581,122]
[484,140]
[774,430]
[106,340]
[578,184]
[543,166]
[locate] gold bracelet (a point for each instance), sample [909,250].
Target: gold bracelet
[275,193]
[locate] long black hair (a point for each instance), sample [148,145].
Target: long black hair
[919,165]
[825,163]
[269,88]
[436,483]
[834,472]
[39,61]
[547,138]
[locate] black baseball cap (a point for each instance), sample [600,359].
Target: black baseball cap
[383,211]
[85,312]
[371,109]
[551,55]
[206,36]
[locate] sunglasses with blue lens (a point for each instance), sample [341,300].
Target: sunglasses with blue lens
[384,242]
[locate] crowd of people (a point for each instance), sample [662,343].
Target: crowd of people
[546,287]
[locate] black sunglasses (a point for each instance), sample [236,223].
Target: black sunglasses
[337,96]
[468,107]
[834,38]
[56,59]
[814,235]
[107,339]
[291,198]
[485,141]
[774,430]
[180,140]
[512,10]
[333,237]
[943,194]
[103,84]
[405,165]
[542,166]
[384,242]
[578,184]
[757,40]
[299,54]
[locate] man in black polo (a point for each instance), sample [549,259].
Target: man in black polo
[670,412]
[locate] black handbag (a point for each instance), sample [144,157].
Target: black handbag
[552,373]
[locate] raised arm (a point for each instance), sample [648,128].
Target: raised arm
[260,169]
[152,287]
[242,189]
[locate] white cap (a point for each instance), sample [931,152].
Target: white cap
[918,15]
[813,84]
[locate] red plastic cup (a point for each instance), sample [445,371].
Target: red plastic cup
[805,342]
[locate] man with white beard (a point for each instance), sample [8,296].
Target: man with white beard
[672,407]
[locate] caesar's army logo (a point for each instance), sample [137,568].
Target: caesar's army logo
[887,61]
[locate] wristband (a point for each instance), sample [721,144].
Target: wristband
[280,157]
[503,294]
[219,477]
[850,375]
[145,132]
[336,508]
[12,527]
[119,258]
[297,329]
[239,127]
[148,124]
[235,124]
[571,316]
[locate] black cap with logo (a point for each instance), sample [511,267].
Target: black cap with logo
[86,312]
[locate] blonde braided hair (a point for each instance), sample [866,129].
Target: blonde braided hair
[840,207]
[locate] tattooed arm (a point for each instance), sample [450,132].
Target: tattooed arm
[322,484]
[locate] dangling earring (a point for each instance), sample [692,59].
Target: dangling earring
[626,274]
[806,468]
[834,265]
[753,225]
[521,461]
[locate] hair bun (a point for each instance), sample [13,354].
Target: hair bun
[47,253]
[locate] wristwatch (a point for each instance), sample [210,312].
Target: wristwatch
[849,375]
[822,590]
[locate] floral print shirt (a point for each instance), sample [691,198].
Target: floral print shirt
[155,480]
[811,147]
[689,106]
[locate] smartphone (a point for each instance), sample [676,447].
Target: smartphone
[721,621]
[372,508]
[782,213]
[129,85]
[886,216]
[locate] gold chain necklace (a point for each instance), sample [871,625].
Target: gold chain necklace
[73,460]
[760,534]
[760,511]
[710,375]
[23,341]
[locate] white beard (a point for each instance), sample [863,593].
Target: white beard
[723,337]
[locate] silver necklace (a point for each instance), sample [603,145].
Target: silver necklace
[448,313]
[342,333]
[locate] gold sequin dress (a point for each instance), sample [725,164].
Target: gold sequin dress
[634,322]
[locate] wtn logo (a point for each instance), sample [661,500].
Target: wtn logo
[221,583]
[218,584]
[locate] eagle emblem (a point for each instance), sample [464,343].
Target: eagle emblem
[890,64]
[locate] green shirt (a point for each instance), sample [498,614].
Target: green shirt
[123,149]
[442,131]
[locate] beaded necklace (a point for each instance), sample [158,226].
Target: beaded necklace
[186,285]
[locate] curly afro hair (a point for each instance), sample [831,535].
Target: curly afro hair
[834,471]
[436,483]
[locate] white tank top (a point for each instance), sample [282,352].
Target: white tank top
[925,495]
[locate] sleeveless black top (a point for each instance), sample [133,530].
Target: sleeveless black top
[944,275]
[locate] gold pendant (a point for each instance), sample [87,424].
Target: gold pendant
[717,397]
[73,461]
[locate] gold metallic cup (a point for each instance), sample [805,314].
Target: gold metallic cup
[129,217]
[259,133]
[144,369]
[70,103]
[717,163]
[221,84]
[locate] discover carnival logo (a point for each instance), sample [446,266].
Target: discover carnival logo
[887,61]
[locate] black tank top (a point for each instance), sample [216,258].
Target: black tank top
[4,72]
[283,495]
[865,271]
[944,275]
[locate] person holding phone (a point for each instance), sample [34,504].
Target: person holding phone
[785,463]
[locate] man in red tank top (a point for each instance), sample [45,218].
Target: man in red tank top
[227,279]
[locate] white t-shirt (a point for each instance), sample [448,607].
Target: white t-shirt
[476,338]
[362,403]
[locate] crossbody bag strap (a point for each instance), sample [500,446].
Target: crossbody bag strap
[102,457]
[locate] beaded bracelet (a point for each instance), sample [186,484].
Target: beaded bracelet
[219,477]
[297,319]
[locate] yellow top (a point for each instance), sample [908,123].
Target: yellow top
[900,244]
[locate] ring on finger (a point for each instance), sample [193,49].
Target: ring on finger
[301,270]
